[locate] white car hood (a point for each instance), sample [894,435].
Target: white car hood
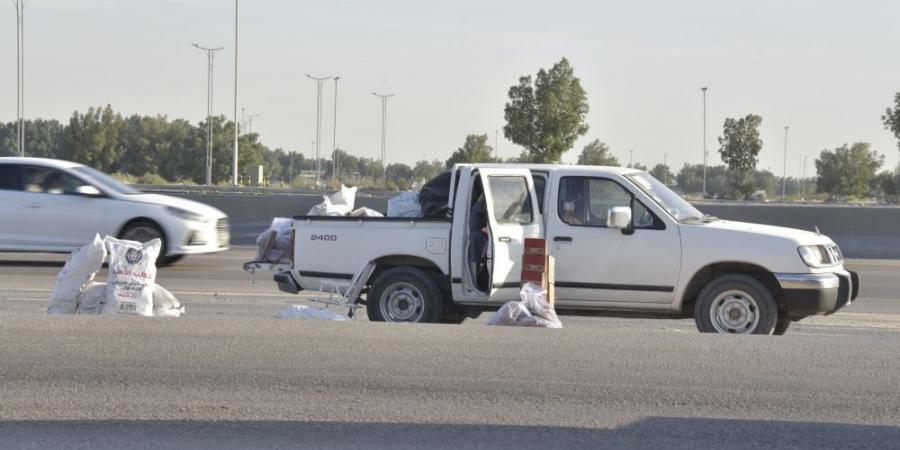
[801,237]
[180,203]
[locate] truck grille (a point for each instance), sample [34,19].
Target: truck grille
[222,232]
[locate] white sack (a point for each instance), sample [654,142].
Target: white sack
[532,310]
[264,243]
[165,304]
[405,205]
[79,270]
[366,212]
[327,208]
[90,302]
[346,197]
[309,313]
[132,276]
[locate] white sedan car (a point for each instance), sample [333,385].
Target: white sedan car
[49,205]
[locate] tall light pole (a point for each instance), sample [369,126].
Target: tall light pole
[384,98]
[334,161]
[234,166]
[319,81]
[666,169]
[20,75]
[497,145]
[705,152]
[210,56]
[803,178]
[784,168]
[630,159]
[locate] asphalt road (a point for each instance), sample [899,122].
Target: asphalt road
[227,375]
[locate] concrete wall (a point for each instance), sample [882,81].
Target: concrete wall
[862,232]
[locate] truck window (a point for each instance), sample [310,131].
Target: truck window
[540,187]
[511,199]
[587,201]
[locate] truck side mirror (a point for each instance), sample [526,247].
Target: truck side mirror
[88,191]
[619,217]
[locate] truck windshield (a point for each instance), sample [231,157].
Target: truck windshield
[678,207]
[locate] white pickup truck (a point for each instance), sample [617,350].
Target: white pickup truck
[623,243]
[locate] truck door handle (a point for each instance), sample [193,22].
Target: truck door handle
[504,239]
[562,239]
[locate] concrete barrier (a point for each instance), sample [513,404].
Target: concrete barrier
[861,231]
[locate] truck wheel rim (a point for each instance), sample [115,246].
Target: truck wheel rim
[734,312]
[141,234]
[402,302]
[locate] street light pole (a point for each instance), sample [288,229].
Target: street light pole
[705,152]
[250,118]
[210,56]
[20,76]
[234,171]
[334,161]
[784,168]
[384,98]
[319,81]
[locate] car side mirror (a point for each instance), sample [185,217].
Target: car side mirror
[88,191]
[619,217]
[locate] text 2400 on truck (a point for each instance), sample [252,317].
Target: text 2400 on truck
[623,242]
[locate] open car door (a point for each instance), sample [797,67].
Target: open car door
[513,215]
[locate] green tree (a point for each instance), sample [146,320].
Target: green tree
[739,147]
[891,118]
[426,170]
[663,173]
[474,150]
[637,166]
[690,180]
[400,175]
[92,139]
[596,153]
[847,171]
[548,115]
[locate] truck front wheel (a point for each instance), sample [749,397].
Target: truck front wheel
[736,304]
[404,294]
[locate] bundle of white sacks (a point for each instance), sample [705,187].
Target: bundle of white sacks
[130,288]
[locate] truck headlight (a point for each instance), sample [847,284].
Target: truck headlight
[813,256]
[185,214]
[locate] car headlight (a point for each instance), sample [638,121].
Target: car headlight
[185,214]
[813,256]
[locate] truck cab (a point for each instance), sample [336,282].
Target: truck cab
[622,241]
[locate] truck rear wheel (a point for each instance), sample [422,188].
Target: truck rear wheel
[404,294]
[735,304]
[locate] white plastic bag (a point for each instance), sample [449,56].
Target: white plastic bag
[76,274]
[309,313]
[91,300]
[132,276]
[327,208]
[366,212]
[346,197]
[405,205]
[532,310]
[165,304]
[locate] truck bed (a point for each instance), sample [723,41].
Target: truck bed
[336,248]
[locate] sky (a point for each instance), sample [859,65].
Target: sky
[827,69]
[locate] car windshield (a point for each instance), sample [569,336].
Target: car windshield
[678,207]
[106,181]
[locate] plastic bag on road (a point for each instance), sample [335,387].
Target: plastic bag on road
[532,310]
[165,304]
[76,274]
[132,276]
[405,205]
[366,212]
[309,313]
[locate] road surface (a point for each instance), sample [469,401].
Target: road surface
[227,375]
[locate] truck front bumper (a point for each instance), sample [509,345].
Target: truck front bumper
[807,294]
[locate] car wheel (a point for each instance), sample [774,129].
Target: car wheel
[781,326]
[404,294]
[145,231]
[735,304]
